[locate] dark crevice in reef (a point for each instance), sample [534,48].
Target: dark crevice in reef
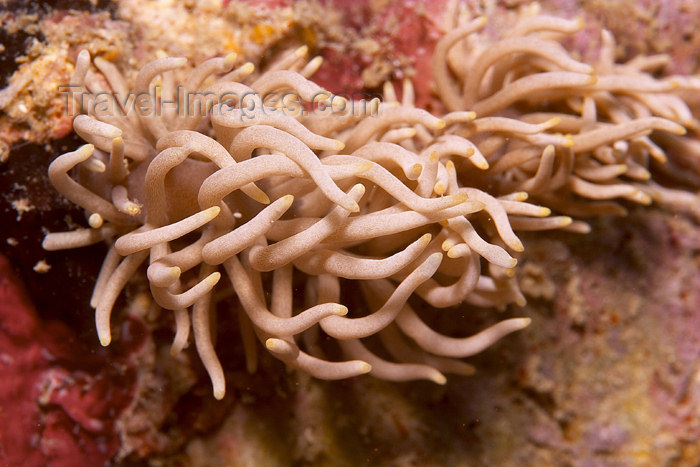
[64,291]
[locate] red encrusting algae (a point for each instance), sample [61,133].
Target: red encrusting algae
[58,403]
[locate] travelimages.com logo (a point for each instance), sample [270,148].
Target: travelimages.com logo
[249,106]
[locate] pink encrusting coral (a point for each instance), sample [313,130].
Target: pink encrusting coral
[273,179]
